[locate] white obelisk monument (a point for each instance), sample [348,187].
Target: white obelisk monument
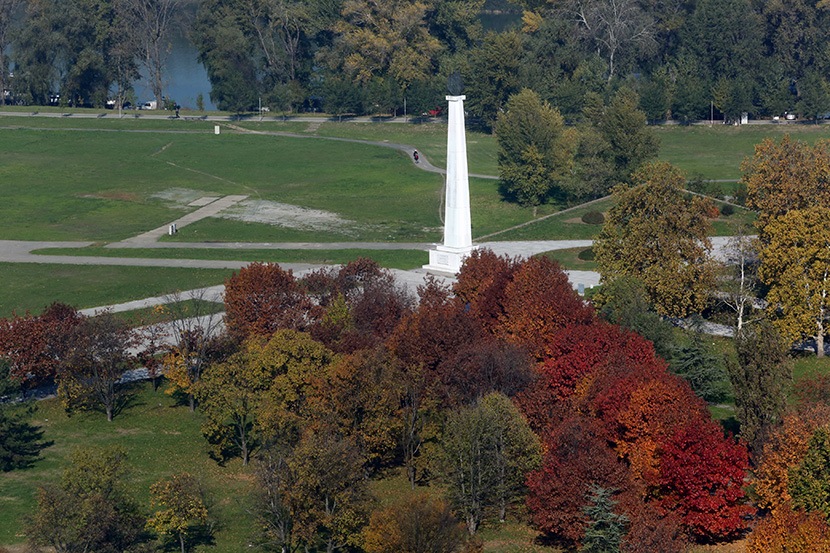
[458,233]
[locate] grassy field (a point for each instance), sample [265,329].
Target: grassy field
[33,286]
[717,152]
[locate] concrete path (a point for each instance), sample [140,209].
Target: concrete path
[212,208]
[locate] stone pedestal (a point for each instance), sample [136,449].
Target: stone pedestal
[458,241]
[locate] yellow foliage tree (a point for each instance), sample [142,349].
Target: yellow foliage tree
[786,175]
[659,235]
[182,506]
[795,263]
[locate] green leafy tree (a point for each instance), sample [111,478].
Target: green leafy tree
[810,480]
[8,10]
[659,235]
[183,506]
[535,150]
[89,509]
[486,453]
[623,302]
[605,529]
[493,75]
[79,48]
[760,378]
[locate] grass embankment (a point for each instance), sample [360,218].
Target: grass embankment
[33,286]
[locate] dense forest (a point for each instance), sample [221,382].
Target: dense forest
[686,59]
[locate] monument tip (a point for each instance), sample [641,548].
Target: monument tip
[455,85]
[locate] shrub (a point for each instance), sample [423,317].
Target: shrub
[587,254]
[593,218]
[726,210]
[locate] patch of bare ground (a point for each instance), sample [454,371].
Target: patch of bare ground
[114,195]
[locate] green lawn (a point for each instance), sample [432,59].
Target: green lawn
[33,286]
[717,152]
[105,186]
[160,437]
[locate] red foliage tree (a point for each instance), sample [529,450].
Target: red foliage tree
[538,303]
[481,284]
[488,365]
[577,349]
[651,530]
[576,457]
[438,328]
[701,475]
[262,298]
[37,346]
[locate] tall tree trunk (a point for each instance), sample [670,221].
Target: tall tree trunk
[192,399]
[181,540]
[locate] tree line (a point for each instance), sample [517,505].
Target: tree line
[686,60]
[508,390]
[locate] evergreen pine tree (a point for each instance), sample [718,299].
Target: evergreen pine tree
[605,529]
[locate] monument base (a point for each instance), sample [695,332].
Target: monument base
[447,260]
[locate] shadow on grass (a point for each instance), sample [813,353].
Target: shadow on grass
[20,442]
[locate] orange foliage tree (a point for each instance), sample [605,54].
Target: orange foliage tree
[786,530]
[538,303]
[786,448]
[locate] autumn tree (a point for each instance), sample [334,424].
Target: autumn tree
[576,457]
[657,234]
[702,476]
[262,298]
[329,491]
[786,447]
[535,150]
[538,302]
[486,452]
[99,357]
[196,341]
[182,506]
[419,525]
[481,283]
[361,397]
[786,530]
[795,264]
[264,376]
[786,176]
[759,381]
[388,40]
[37,346]
[89,509]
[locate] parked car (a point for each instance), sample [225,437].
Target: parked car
[789,116]
[152,104]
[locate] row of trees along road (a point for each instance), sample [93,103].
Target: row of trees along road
[358,56]
[505,390]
